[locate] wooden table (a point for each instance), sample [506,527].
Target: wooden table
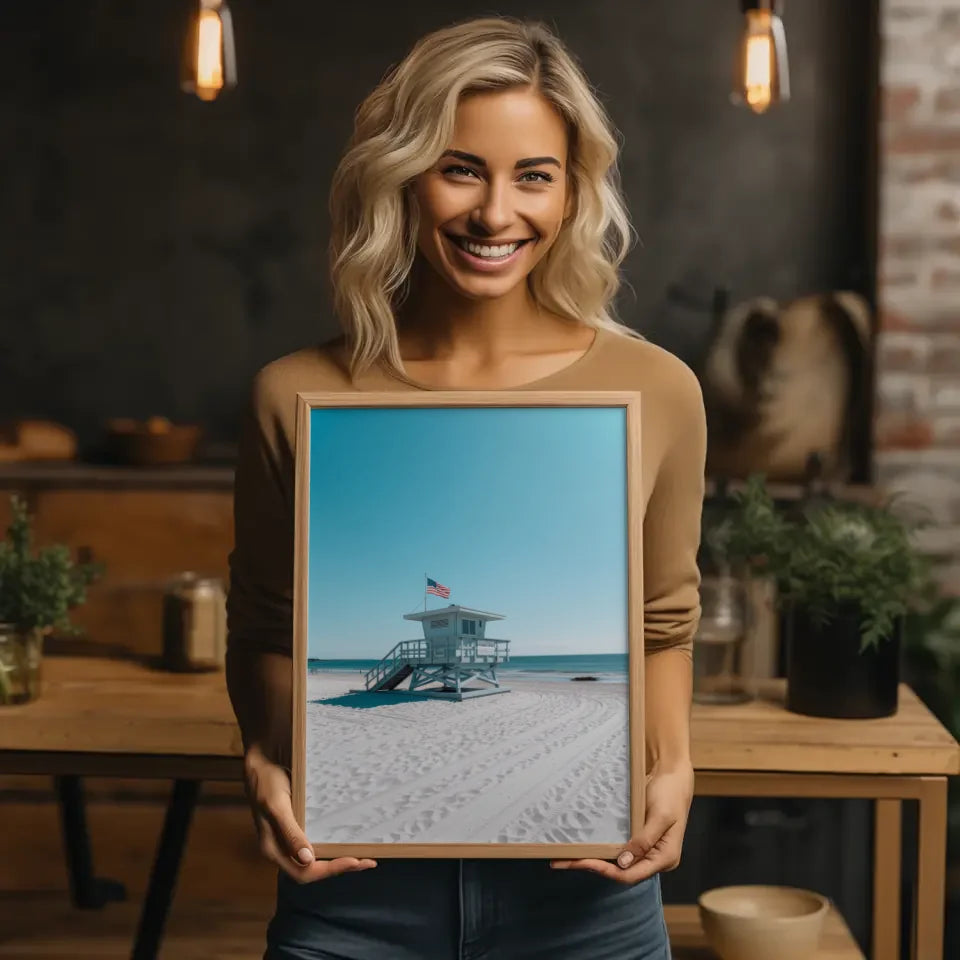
[119,718]
[759,749]
[99,717]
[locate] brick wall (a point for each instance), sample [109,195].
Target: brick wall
[917,431]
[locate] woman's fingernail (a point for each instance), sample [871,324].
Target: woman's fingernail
[305,855]
[625,859]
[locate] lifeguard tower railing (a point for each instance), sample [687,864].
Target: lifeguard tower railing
[453,652]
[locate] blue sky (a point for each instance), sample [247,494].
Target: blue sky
[518,511]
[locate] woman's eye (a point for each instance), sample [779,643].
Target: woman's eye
[541,175]
[459,170]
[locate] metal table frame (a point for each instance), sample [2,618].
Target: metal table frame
[87,890]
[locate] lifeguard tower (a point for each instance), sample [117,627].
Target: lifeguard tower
[453,652]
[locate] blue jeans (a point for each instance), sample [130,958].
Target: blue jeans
[467,910]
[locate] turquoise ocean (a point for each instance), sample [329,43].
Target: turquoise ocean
[605,667]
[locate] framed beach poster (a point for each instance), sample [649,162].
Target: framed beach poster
[468,624]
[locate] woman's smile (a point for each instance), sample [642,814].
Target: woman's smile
[486,256]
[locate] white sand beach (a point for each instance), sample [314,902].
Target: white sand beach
[543,763]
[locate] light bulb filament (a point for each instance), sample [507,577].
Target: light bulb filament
[759,72]
[209,55]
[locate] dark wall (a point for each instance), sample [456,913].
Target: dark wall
[156,250]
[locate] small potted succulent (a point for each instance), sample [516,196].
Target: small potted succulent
[37,591]
[847,574]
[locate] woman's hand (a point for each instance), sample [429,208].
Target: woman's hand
[281,839]
[657,846]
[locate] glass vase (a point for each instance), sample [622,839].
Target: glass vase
[20,656]
[720,642]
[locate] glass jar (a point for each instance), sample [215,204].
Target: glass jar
[194,623]
[20,652]
[720,641]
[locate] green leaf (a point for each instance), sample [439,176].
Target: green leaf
[38,589]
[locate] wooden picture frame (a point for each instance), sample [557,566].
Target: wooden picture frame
[373,472]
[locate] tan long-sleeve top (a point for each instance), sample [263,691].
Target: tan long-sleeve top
[673,449]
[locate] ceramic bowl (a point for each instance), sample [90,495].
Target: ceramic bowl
[757,922]
[152,442]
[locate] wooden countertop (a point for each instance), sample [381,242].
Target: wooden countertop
[98,706]
[76,475]
[763,735]
[101,705]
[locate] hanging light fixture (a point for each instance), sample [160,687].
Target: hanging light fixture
[210,58]
[762,77]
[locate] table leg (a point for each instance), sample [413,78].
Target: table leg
[87,892]
[930,897]
[166,864]
[887,842]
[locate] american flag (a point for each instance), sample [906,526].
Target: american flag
[437,588]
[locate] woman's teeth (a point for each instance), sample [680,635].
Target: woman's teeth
[490,253]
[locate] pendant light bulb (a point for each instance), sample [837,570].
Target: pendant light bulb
[762,76]
[210,60]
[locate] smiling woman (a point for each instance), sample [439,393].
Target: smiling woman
[477,233]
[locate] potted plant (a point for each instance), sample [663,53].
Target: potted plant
[37,591]
[846,574]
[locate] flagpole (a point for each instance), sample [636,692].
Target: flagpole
[424,591]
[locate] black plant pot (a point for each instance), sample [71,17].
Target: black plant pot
[829,676]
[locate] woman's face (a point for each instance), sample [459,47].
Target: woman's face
[494,203]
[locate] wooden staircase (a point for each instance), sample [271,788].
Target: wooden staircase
[396,666]
[392,680]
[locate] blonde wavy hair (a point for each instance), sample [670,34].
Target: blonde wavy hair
[403,127]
